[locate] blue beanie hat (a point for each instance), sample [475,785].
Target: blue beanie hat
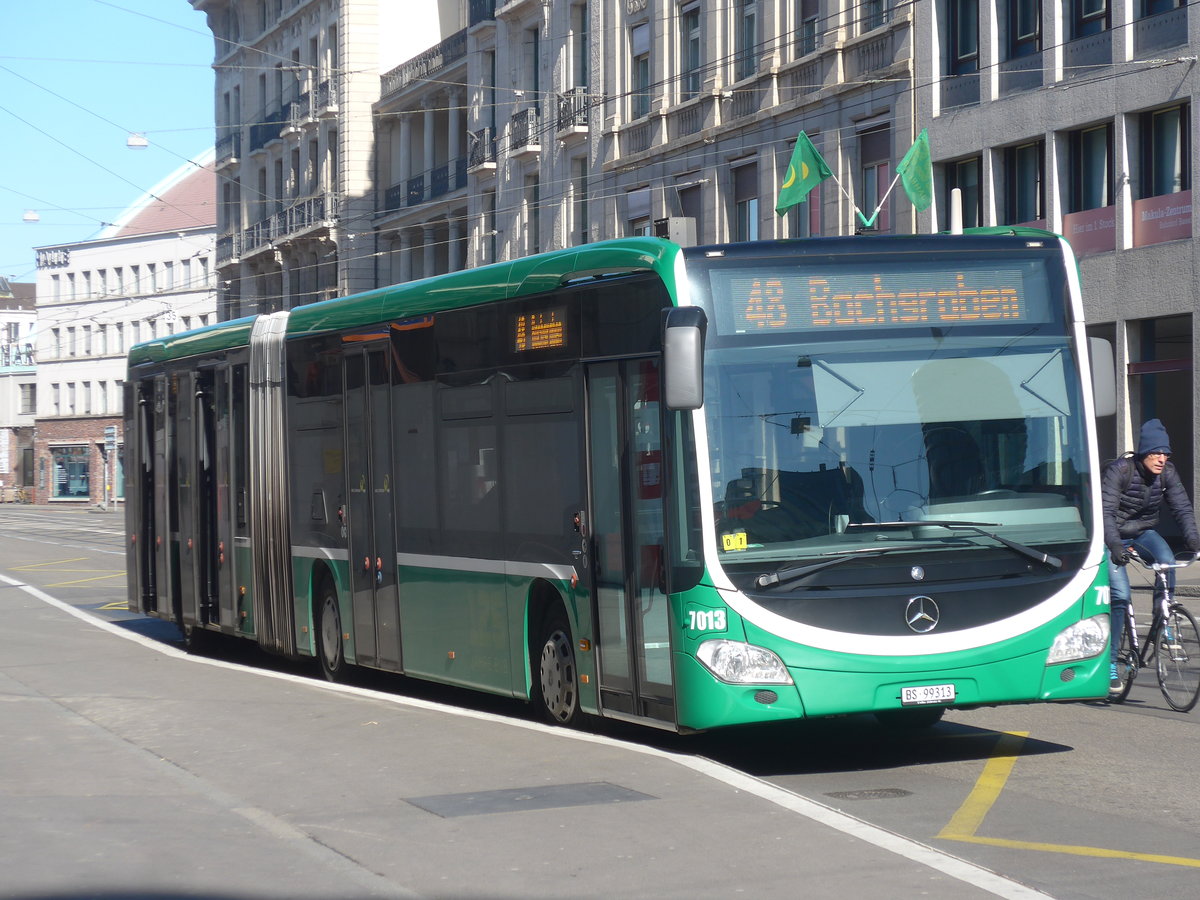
[1153,438]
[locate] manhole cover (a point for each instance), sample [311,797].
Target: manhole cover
[871,794]
[553,796]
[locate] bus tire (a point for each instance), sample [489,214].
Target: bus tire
[330,650]
[555,674]
[917,717]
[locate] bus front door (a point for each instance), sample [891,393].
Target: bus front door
[376,606]
[627,525]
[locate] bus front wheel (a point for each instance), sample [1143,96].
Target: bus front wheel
[555,681]
[329,636]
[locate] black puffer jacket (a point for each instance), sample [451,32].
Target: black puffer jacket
[1129,511]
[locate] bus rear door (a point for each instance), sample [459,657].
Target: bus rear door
[376,606]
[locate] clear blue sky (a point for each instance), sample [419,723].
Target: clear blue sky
[76,77]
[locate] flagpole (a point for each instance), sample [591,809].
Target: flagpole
[868,222]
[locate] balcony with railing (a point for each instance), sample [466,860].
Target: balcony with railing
[481,149]
[573,108]
[267,130]
[425,65]
[426,186]
[299,112]
[284,224]
[325,99]
[229,149]
[524,133]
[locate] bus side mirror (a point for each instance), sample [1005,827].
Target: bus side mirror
[1104,376]
[684,328]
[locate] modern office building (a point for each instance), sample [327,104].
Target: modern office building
[1076,115]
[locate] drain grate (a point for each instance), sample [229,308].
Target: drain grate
[551,796]
[871,794]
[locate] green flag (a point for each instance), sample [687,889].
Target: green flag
[916,172]
[806,170]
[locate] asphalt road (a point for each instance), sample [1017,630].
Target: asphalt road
[1076,801]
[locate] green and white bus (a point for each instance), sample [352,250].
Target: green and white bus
[689,488]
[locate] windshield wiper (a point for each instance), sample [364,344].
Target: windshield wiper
[784,576]
[978,527]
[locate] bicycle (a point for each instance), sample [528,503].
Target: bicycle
[1172,644]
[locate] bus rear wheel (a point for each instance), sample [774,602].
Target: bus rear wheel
[329,636]
[555,682]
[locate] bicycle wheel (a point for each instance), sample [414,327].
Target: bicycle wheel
[1126,665]
[1179,659]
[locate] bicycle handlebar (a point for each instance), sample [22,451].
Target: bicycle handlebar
[1161,566]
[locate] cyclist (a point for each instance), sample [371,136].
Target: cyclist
[1134,487]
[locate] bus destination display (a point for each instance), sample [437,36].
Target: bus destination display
[867,300]
[541,330]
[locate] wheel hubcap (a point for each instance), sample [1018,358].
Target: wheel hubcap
[558,677]
[331,644]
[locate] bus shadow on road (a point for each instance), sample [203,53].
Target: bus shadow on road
[846,743]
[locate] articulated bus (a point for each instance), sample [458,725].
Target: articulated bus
[685,487]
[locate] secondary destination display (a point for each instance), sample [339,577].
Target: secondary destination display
[858,299]
[541,330]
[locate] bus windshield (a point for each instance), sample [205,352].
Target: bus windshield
[890,397]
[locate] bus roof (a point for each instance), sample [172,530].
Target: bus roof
[469,287]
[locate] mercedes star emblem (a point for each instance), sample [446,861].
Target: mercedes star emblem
[922,614]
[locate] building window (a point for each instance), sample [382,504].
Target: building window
[1088,17]
[70,472]
[745,203]
[691,50]
[874,156]
[1024,27]
[1165,152]
[28,399]
[639,39]
[533,214]
[533,59]
[875,14]
[637,212]
[806,15]
[1024,176]
[1091,180]
[489,227]
[579,187]
[1154,7]
[746,38]
[964,174]
[691,204]
[964,37]
[580,64]
[804,219]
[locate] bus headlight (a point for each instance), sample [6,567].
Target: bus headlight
[739,663]
[1080,641]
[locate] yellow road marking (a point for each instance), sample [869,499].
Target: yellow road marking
[86,580]
[116,604]
[48,564]
[964,824]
